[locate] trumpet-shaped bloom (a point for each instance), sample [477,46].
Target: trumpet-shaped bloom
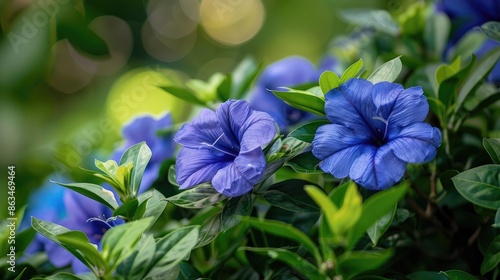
[287,72]
[74,211]
[224,147]
[147,128]
[376,130]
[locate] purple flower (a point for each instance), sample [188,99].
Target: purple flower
[467,14]
[74,211]
[287,72]
[375,131]
[147,128]
[224,147]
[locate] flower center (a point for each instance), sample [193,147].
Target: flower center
[231,151]
[379,138]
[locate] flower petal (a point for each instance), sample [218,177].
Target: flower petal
[331,138]
[195,166]
[411,106]
[251,165]
[258,130]
[416,143]
[351,105]
[203,130]
[339,164]
[230,182]
[231,116]
[377,169]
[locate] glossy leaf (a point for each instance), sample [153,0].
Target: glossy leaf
[303,100]
[290,258]
[197,197]
[184,94]
[376,230]
[235,208]
[305,163]
[480,71]
[210,226]
[426,275]
[388,71]
[65,276]
[290,195]
[458,275]
[139,154]
[492,146]
[172,249]
[286,231]
[307,132]
[491,256]
[327,207]
[437,31]
[374,208]
[51,231]
[127,209]
[492,29]
[119,242]
[351,263]
[94,192]
[351,71]
[243,76]
[136,265]
[151,204]
[328,81]
[480,185]
[468,44]
[379,19]
[497,219]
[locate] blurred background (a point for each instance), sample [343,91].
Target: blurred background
[73,72]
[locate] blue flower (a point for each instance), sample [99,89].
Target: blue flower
[74,211]
[287,72]
[375,131]
[467,14]
[146,128]
[224,147]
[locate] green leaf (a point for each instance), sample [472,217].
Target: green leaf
[481,70]
[290,195]
[66,276]
[242,77]
[426,275]
[78,240]
[154,203]
[184,94]
[376,230]
[139,154]
[491,256]
[286,231]
[379,19]
[351,71]
[51,231]
[374,208]
[224,88]
[468,44]
[307,132]
[328,81]
[351,263]
[388,71]
[127,209]
[172,249]
[480,185]
[18,277]
[492,146]
[236,207]
[492,30]
[303,100]
[210,225]
[136,265]
[437,29]
[120,241]
[459,275]
[94,192]
[200,196]
[295,261]
[305,163]
[497,219]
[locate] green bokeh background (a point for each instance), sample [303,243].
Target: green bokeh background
[47,129]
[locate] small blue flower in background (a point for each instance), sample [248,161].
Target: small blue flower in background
[376,130]
[467,14]
[74,211]
[287,72]
[224,147]
[148,128]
